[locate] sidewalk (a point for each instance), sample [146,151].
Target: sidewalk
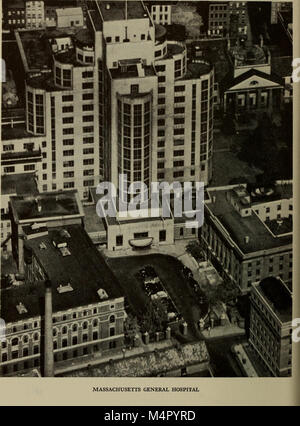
[223,331]
[244,361]
[98,358]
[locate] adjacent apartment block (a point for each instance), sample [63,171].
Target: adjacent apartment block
[248,236]
[35,14]
[221,16]
[271,324]
[88,306]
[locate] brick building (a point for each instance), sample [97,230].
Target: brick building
[88,307]
[271,324]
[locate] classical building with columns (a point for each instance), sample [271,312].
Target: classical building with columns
[252,85]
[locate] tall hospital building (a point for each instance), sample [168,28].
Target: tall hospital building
[115,97]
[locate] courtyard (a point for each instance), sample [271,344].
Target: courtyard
[169,270]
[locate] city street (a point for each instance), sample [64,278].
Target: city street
[223,363]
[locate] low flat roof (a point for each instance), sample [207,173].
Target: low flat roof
[67,11]
[16,132]
[215,52]
[278,296]
[19,183]
[115,10]
[196,69]
[84,269]
[54,204]
[260,238]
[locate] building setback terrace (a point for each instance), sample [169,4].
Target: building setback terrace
[45,205]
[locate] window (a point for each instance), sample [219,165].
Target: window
[67,98]
[88,151]
[29,167]
[119,240]
[162,235]
[68,120]
[88,85]
[87,118]
[9,169]
[87,74]
[87,96]
[112,332]
[88,140]
[88,129]
[178,174]
[68,142]
[69,152]
[88,107]
[179,131]
[67,109]
[134,88]
[179,99]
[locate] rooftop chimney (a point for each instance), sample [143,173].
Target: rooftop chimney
[49,357]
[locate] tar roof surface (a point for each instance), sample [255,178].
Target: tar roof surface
[278,295]
[53,204]
[85,269]
[215,51]
[260,238]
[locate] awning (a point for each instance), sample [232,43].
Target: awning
[141,242]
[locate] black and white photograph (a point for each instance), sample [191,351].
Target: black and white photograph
[147,189]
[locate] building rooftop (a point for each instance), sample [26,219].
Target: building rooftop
[280,227]
[116,10]
[12,4]
[278,296]
[215,52]
[19,183]
[37,52]
[238,228]
[84,269]
[52,204]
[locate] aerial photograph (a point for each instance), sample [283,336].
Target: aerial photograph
[146,189]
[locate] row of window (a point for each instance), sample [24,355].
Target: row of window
[85,97]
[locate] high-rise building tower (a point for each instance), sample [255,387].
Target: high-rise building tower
[117,97]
